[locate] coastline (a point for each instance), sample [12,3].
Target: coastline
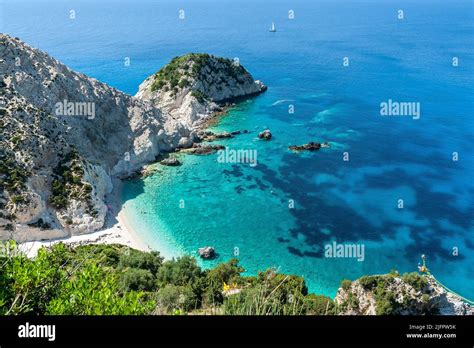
[117,230]
[122,225]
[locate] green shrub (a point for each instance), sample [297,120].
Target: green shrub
[16,139]
[385,303]
[369,282]
[68,183]
[61,280]
[132,258]
[137,279]
[103,254]
[200,97]
[346,284]
[96,292]
[183,83]
[13,176]
[353,301]
[180,272]
[114,279]
[264,300]
[18,199]
[178,72]
[417,281]
[319,305]
[171,298]
[271,294]
[228,273]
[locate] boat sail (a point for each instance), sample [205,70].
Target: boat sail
[272,28]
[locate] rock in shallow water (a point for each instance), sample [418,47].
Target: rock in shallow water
[311,146]
[265,135]
[170,161]
[204,149]
[207,252]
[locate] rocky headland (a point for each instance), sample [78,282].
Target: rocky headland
[194,86]
[65,137]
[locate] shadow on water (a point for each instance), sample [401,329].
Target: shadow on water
[313,214]
[134,188]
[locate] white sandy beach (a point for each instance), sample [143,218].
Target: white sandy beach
[116,231]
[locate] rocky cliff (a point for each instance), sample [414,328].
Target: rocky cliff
[63,135]
[395,294]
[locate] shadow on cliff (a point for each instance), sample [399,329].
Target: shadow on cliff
[119,197]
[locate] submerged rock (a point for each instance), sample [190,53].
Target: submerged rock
[204,149]
[205,135]
[207,252]
[245,131]
[223,135]
[170,161]
[265,135]
[311,146]
[211,136]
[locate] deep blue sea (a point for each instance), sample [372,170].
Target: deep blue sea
[243,211]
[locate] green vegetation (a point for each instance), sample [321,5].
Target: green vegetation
[182,70]
[414,279]
[386,302]
[63,281]
[113,279]
[200,97]
[179,70]
[12,176]
[346,284]
[319,305]
[369,282]
[18,199]
[384,298]
[68,183]
[40,224]
[269,294]
[231,69]
[15,139]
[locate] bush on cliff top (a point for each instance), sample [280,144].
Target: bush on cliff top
[181,70]
[179,67]
[114,279]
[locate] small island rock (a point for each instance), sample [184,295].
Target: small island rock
[265,135]
[170,161]
[311,146]
[207,252]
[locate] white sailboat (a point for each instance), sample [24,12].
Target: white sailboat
[272,28]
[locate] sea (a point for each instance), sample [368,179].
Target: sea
[389,84]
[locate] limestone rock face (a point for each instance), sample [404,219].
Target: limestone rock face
[87,216]
[31,210]
[63,136]
[113,134]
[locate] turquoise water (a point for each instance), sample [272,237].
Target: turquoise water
[242,210]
